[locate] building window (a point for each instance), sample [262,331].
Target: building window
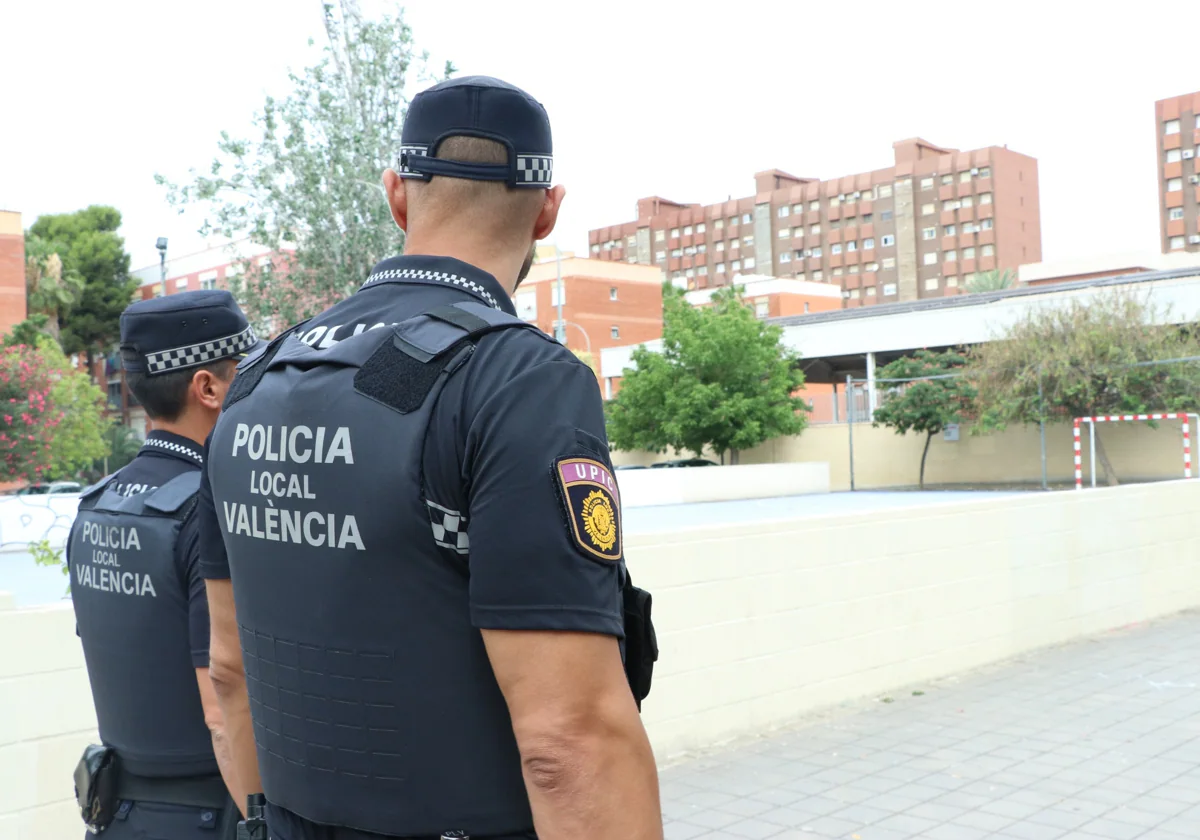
[947,179]
[181,283]
[660,235]
[1171,127]
[689,251]
[747,218]
[675,233]
[851,221]
[816,253]
[720,268]
[615,332]
[736,265]
[660,255]
[951,204]
[869,244]
[1173,155]
[854,269]
[838,272]
[747,241]
[889,262]
[988,250]
[733,221]
[631,242]
[798,232]
[748,263]
[985,172]
[888,240]
[702,271]
[951,282]
[595,249]
[968,201]
[889,289]
[985,198]
[785,257]
[987,224]
[676,252]
[968,253]
[687,231]
[854,294]
[691,272]
[785,233]
[784,211]
[851,246]
[700,228]
[929,233]
[968,279]
[964,176]
[720,246]
[1174,184]
[931,284]
[951,256]
[836,224]
[734,244]
[702,249]
[797,209]
[927,209]
[885,216]
[931,258]
[1175,243]
[762,309]
[834,201]
[815,230]
[866,218]
[885,190]
[949,230]
[818,276]
[1175,213]
[836,248]
[612,293]
[926,183]
[207,284]
[719,224]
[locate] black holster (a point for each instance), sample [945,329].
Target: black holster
[96,777]
[641,644]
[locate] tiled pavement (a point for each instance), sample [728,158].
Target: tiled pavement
[1096,740]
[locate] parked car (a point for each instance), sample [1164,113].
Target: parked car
[630,467]
[686,462]
[49,488]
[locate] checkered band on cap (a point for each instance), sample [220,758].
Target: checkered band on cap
[165,361]
[410,150]
[534,169]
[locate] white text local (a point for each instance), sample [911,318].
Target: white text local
[293,526]
[293,444]
[110,536]
[280,485]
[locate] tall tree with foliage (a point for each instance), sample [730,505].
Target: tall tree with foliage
[938,397]
[50,287]
[51,416]
[724,380]
[92,253]
[1087,358]
[310,184]
[996,280]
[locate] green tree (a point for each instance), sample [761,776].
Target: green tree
[310,184]
[30,331]
[94,255]
[996,280]
[723,380]
[51,416]
[938,397]
[1087,360]
[50,288]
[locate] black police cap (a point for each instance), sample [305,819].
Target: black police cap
[478,106]
[184,330]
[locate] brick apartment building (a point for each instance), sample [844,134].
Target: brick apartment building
[1177,129]
[12,270]
[918,229]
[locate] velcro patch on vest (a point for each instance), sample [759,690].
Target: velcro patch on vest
[590,494]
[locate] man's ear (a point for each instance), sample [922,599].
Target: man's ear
[208,390]
[548,216]
[397,197]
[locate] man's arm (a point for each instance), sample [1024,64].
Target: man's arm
[228,678]
[585,756]
[216,725]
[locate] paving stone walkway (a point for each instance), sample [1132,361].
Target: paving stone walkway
[1095,740]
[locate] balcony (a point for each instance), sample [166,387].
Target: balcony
[947,217]
[866,231]
[834,236]
[1175,199]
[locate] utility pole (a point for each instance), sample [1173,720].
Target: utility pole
[560,328]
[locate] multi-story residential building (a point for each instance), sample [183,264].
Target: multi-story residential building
[1177,124]
[12,270]
[920,228]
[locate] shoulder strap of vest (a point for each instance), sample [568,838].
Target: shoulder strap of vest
[250,371]
[427,336]
[170,497]
[98,488]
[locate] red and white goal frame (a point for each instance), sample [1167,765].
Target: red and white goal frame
[1128,418]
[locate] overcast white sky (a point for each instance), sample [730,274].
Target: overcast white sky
[98,97]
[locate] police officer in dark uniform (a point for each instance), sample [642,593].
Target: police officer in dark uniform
[413,502]
[139,598]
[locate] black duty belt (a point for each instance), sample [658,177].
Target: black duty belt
[196,791]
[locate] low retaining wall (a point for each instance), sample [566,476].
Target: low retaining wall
[687,485]
[760,623]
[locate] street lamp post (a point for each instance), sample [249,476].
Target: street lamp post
[560,328]
[161,245]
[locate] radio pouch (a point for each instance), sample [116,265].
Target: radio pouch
[96,777]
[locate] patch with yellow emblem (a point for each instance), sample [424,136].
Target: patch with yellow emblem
[593,506]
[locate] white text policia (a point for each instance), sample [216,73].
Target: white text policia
[293,444]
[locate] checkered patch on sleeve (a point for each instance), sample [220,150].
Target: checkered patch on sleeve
[449,528]
[592,499]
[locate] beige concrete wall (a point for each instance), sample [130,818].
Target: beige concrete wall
[46,719]
[884,459]
[687,485]
[759,624]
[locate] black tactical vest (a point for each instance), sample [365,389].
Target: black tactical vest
[132,609]
[373,700]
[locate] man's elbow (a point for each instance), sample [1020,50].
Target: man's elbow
[227,676]
[567,752]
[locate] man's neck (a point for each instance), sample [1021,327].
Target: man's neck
[504,267]
[192,430]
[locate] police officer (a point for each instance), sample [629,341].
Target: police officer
[413,499]
[139,599]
